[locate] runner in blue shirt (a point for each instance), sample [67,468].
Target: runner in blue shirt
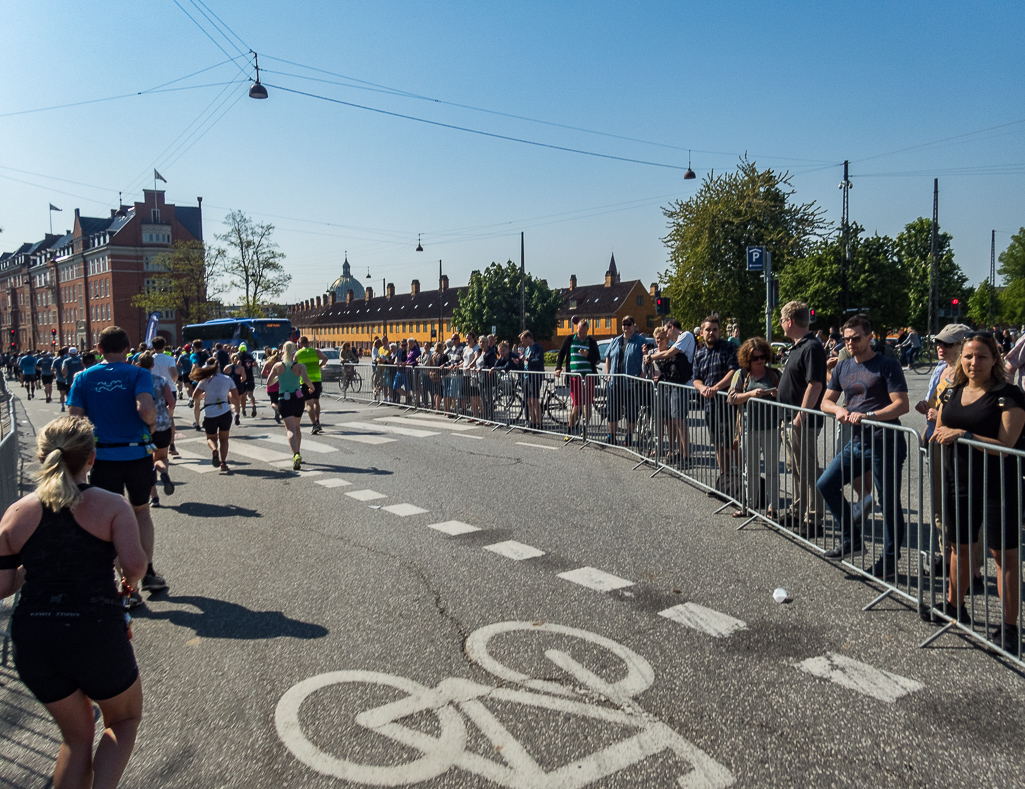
[28,365]
[45,367]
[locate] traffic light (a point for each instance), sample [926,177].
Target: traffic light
[53,337]
[662,305]
[812,317]
[13,343]
[955,305]
[775,293]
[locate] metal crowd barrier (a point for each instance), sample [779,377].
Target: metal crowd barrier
[869,490]
[9,489]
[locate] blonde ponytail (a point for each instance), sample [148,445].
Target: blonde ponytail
[63,447]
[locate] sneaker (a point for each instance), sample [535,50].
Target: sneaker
[151,582]
[885,568]
[172,451]
[168,485]
[863,507]
[297,461]
[196,427]
[62,408]
[254,410]
[224,468]
[190,402]
[277,417]
[215,460]
[135,600]
[956,613]
[847,548]
[1005,636]
[978,584]
[237,421]
[154,501]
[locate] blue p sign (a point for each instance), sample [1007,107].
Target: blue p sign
[756,258]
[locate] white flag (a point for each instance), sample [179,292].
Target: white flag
[157,176]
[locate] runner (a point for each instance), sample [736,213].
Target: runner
[218,390]
[72,366]
[249,389]
[163,401]
[313,360]
[272,388]
[27,364]
[198,358]
[58,375]
[237,372]
[46,374]
[118,398]
[164,365]
[291,377]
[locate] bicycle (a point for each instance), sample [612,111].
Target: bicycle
[455,700]
[350,380]
[922,362]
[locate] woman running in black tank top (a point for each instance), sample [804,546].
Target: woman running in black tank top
[70,633]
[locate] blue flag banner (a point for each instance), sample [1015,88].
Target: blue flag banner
[151,328]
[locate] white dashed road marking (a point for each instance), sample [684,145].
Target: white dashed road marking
[307,445]
[704,619]
[366,495]
[254,452]
[404,510]
[334,482]
[361,438]
[447,425]
[863,678]
[399,431]
[516,551]
[453,527]
[596,579]
[536,446]
[467,435]
[193,462]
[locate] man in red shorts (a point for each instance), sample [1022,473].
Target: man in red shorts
[579,357]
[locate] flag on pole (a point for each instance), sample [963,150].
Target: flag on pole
[157,176]
[53,207]
[151,328]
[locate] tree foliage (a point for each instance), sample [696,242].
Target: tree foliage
[492,298]
[981,310]
[709,235]
[913,255]
[1012,269]
[186,279]
[253,262]
[875,283]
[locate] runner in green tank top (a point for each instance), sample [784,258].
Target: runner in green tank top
[313,360]
[292,379]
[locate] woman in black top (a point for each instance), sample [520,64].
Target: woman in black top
[70,634]
[982,487]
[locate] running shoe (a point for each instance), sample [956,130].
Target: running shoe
[862,508]
[277,417]
[215,461]
[254,410]
[168,485]
[190,402]
[62,408]
[237,421]
[196,427]
[135,600]
[151,582]
[224,467]
[172,450]
[154,501]
[297,461]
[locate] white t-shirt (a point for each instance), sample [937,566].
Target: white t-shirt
[216,388]
[164,365]
[686,344]
[468,354]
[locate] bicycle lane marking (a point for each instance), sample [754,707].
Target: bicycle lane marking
[439,754]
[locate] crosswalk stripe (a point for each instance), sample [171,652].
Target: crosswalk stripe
[193,462]
[446,425]
[386,428]
[596,579]
[307,445]
[517,551]
[404,510]
[254,452]
[861,677]
[361,438]
[453,527]
[707,620]
[333,482]
[366,495]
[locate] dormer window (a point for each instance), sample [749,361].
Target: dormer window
[572,304]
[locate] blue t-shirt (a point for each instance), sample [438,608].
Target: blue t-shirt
[46,365]
[58,368]
[28,364]
[867,386]
[107,392]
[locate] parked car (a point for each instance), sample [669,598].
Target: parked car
[603,347]
[332,371]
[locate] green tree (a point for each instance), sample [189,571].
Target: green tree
[982,306]
[709,235]
[492,298]
[913,245]
[253,262]
[1012,269]
[875,283]
[186,280]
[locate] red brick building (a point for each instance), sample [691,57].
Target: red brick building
[67,289]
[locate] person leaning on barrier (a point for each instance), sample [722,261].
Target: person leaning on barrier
[803,383]
[874,388]
[677,362]
[759,432]
[452,379]
[982,406]
[714,365]
[579,356]
[71,641]
[624,357]
[533,363]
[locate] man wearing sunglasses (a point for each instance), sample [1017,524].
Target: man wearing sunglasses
[625,356]
[875,390]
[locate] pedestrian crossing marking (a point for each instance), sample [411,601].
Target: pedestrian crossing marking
[453,528]
[307,445]
[193,462]
[404,510]
[447,425]
[861,677]
[517,551]
[361,438]
[254,452]
[366,495]
[707,620]
[596,579]
[333,482]
[387,428]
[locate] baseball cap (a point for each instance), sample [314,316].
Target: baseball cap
[73,351]
[243,347]
[953,332]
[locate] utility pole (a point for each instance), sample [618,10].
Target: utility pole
[933,251]
[523,288]
[992,275]
[440,316]
[845,232]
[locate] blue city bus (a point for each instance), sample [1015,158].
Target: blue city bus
[257,333]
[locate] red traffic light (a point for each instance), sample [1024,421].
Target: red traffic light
[955,302]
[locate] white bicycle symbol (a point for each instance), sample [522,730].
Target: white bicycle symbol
[438,754]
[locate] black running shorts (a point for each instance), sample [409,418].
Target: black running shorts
[118,475]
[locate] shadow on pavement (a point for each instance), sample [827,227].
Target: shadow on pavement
[221,619]
[202,509]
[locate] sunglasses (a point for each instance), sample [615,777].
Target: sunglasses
[759,358]
[855,338]
[628,323]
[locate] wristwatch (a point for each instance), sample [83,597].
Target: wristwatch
[871,414]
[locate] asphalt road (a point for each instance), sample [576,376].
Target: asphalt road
[528,614]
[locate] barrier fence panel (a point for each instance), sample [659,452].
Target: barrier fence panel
[622,414]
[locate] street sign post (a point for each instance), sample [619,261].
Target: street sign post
[756,258]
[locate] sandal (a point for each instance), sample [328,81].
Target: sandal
[739,514]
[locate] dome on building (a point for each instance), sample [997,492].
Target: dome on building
[347,282]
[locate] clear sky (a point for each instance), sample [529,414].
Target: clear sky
[907,91]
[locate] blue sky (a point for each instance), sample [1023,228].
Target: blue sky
[906,91]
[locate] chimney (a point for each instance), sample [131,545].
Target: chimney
[444,281]
[334,297]
[653,290]
[348,296]
[318,302]
[572,282]
[370,293]
[391,289]
[416,287]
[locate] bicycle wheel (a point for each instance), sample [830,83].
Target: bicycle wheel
[356,384]
[436,754]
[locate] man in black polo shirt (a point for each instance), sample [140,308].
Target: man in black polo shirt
[714,365]
[802,384]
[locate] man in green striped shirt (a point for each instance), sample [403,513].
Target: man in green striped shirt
[581,353]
